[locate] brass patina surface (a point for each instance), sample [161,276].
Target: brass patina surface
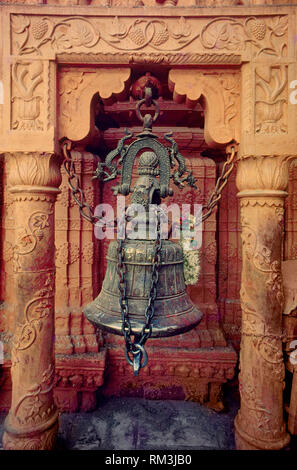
[174,311]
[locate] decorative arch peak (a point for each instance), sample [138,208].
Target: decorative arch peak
[221,100]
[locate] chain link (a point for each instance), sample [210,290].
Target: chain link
[221,182]
[74,185]
[150,309]
[121,270]
[136,348]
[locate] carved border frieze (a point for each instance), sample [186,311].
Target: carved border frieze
[39,35]
[162,58]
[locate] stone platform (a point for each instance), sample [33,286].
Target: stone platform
[140,424]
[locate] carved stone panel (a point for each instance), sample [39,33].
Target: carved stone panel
[271,100]
[260,35]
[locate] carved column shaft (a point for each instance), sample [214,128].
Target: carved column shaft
[259,423]
[32,420]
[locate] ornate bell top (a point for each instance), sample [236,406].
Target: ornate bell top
[147,188]
[154,159]
[148,162]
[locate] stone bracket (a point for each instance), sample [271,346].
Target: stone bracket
[220,92]
[76,90]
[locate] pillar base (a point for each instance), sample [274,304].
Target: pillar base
[45,440]
[246,442]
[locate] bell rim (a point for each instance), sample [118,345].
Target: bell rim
[160,327]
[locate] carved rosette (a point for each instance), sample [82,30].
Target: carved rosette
[32,420]
[259,423]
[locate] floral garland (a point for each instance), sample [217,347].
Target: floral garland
[191,253]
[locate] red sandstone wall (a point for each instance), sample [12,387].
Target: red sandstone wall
[229,262]
[79,274]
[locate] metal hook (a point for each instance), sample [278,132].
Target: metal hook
[138,354]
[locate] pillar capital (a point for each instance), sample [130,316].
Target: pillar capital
[263,175]
[33,172]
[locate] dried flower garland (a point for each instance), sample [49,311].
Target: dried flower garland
[190,251]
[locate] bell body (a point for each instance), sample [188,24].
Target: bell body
[174,311]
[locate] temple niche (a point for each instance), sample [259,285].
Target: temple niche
[212,358]
[193,366]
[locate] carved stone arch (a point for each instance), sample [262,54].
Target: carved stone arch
[220,97]
[77,88]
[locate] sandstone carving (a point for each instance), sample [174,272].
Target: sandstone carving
[221,94]
[59,67]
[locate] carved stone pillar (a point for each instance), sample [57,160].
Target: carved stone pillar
[261,181]
[32,422]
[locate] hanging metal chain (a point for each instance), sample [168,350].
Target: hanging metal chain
[121,270]
[136,348]
[74,185]
[77,193]
[150,309]
[216,195]
[86,211]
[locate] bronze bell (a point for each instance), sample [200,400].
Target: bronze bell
[143,293]
[174,311]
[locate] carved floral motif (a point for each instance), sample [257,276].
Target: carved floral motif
[234,34]
[262,172]
[226,33]
[77,86]
[221,94]
[271,96]
[33,168]
[73,32]
[27,76]
[32,408]
[230,90]
[252,401]
[28,237]
[36,309]
[261,257]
